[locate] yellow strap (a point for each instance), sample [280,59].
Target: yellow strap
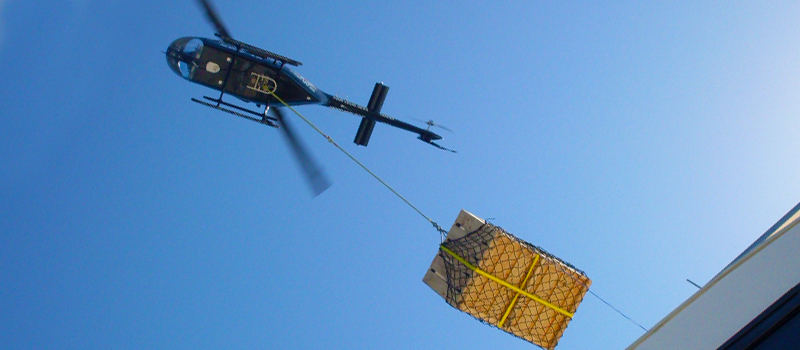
[521,285]
[506,284]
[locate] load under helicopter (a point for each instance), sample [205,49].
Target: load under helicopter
[255,75]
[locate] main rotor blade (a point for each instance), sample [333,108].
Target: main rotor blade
[316,178]
[214,18]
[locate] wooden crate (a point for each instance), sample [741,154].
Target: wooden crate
[505,282]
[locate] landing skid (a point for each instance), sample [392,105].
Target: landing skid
[263,118]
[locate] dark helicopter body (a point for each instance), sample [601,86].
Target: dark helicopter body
[251,78]
[255,75]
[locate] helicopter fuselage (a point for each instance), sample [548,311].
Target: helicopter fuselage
[235,71]
[262,77]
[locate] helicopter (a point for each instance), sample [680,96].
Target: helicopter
[258,76]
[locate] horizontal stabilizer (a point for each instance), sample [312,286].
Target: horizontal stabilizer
[375,104]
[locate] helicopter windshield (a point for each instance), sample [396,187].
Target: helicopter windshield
[183,55]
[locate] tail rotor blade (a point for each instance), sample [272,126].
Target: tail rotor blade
[214,18]
[313,173]
[430,123]
[443,127]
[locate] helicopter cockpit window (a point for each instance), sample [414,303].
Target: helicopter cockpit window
[183,56]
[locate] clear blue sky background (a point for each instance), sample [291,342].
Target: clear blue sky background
[644,143]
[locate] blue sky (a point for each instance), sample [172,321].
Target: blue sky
[643,143]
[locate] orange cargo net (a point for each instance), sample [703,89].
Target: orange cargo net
[506,282]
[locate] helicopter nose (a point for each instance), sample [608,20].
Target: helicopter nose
[173,59]
[182,53]
[173,54]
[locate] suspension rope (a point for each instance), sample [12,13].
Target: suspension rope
[442,232]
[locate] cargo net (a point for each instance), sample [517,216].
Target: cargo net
[512,285]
